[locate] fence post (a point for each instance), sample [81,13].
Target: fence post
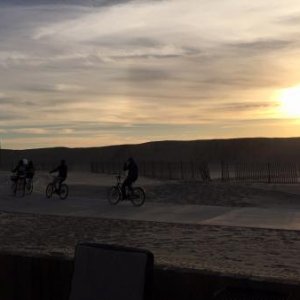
[181,170]
[170,171]
[269,173]
[225,171]
[152,169]
[192,171]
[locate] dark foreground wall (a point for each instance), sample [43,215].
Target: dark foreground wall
[42,278]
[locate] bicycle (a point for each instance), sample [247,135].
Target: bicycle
[136,195]
[29,186]
[21,185]
[62,192]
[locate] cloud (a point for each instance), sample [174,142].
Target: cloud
[263,46]
[246,106]
[290,20]
[29,131]
[56,88]
[124,67]
[89,3]
[146,75]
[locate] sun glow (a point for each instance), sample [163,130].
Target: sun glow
[290,101]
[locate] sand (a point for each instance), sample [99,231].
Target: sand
[250,252]
[254,253]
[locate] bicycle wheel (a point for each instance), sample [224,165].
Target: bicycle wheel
[64,191]
[29,187]
[114,195]
[49,190]
[138,196]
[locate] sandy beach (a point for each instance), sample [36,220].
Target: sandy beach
[254,253]
[251,252]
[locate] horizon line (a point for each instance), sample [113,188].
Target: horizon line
[154,141]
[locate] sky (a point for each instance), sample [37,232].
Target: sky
[87,73]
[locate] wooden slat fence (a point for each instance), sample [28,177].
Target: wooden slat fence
[160,169]
[269,172]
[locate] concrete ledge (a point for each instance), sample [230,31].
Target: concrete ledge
[25,277]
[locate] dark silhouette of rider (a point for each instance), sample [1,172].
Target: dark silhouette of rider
[20,172]
[133,173]
[30,170]
[62,170]
[20,169]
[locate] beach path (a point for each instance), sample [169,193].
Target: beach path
[275,218]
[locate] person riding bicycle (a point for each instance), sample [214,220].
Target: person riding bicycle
[19,170]
[62,170]
[30,171]
[133,173]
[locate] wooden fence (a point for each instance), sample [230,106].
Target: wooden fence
[159,169]
[270,172]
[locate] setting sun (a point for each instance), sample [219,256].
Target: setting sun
[290,101]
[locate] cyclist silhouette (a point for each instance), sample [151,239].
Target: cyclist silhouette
[133,173]
[30,170]
[62,170]
[20,169]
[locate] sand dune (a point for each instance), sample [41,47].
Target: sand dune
[212,151]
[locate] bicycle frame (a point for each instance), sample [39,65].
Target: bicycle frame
[136,195]
[53,188]
[55,183]
[129,192]
[18,184]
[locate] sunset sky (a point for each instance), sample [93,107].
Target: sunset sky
[96,72]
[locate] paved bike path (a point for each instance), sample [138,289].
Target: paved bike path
[277,218]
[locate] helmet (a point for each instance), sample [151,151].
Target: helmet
[25,161]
